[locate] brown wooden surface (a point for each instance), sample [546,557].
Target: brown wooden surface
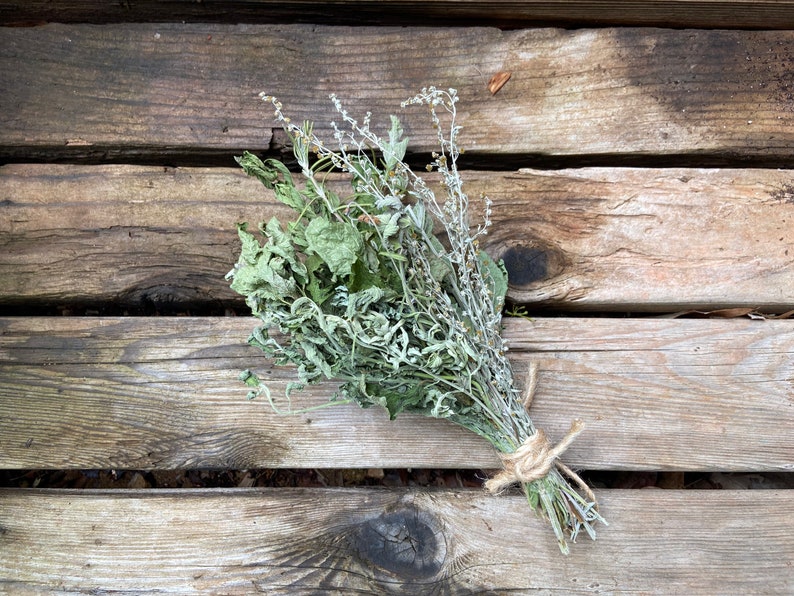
[162,393]
[766,14]
[131,92]
[292,541]
[626,239]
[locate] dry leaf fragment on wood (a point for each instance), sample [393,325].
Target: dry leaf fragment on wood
[498,81]
[730,313]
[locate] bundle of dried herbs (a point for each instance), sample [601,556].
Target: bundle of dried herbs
[359,289]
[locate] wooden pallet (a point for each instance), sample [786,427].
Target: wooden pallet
[633,170]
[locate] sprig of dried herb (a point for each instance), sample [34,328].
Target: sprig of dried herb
[361,290]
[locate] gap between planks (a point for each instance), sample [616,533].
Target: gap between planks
[759,14]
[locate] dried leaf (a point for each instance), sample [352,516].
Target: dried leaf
[498,81]
[337,243]
[720,313]
[729,313]
[732,313]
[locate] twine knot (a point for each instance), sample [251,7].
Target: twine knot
[533,459]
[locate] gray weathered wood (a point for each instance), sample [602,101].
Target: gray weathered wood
[293,541]
[764,14]
[150,91]
[626,239]
[160,393]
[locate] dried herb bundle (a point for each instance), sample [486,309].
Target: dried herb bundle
[361,290]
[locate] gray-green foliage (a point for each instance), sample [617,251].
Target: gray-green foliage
[359,289]
[362,290]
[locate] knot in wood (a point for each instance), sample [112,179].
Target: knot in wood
[533,459]
[407,544]
[526,265]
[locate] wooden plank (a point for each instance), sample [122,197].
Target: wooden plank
[764,14]
[656,394]
[138,237]
[160,91]
[299,541]
[624,239]
[645,239]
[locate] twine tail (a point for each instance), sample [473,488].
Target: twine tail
[530,384]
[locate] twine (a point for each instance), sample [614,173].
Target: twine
[535,457]
[533,460]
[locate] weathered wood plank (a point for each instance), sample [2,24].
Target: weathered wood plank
[131,236]
[150,91]
[764,14]
[589,239]
[647,239]
[293,541]
[656,394]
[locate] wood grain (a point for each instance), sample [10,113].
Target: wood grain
[597,239]
[763,14]
[160,91]
[162,393]
[293,541]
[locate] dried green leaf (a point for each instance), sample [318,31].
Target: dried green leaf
[249,378]
[250,249]
[496,276]
[339,244]
[275,176]
[394,150]
[281,244]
